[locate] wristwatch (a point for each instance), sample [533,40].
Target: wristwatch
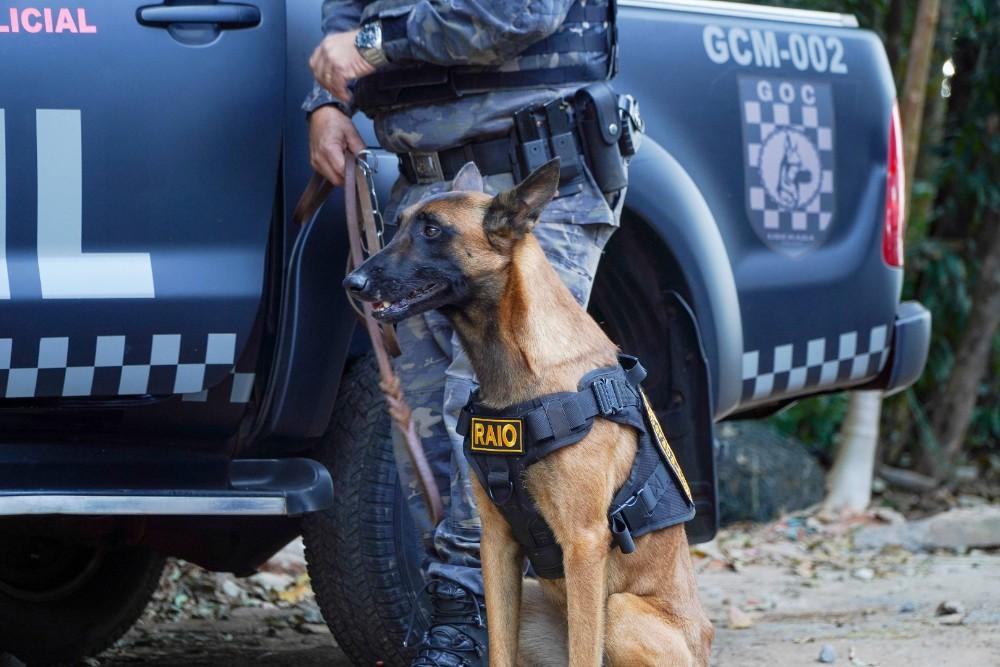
[369,43]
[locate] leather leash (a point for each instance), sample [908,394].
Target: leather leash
[360,215]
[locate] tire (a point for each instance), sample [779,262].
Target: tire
[61,600]
[364,553]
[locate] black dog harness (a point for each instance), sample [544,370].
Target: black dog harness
[501,444]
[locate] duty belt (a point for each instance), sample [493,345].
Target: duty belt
[501,444]
[540,133]
[492,157]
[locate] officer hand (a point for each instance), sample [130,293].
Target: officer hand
[337,61]
[331,133]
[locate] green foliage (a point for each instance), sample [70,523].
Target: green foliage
[937,275]
[814,421]
[966,186]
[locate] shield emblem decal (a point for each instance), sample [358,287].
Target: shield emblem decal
[788,161]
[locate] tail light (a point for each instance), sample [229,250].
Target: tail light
[895,194]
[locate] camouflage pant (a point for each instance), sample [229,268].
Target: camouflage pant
[438,378]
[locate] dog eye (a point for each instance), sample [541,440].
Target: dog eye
[431,231]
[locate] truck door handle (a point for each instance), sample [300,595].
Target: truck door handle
[223,15]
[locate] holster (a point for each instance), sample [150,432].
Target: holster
[600,128]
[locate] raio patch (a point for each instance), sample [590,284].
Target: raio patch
[788,157]
[497,436]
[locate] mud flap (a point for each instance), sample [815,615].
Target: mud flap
[686,415]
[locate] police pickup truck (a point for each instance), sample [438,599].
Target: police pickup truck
[180,371]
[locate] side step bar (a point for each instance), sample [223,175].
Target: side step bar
[253,487]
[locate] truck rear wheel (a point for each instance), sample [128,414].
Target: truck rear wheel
[62,600]
[364,553]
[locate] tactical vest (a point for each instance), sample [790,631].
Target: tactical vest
[501,444]
[583,50]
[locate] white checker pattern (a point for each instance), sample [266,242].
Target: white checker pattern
[815,364]
[109,365]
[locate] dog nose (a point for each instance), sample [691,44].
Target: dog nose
[356,282]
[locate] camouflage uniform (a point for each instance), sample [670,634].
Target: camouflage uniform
[573,229]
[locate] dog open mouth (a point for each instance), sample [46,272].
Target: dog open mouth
[397,310]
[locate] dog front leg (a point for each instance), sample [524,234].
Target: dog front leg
[503,566]
[585,560]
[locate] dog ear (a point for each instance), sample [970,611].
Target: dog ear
[468,179]
[513,213]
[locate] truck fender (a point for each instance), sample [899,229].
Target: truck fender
[314,331]
[664,196]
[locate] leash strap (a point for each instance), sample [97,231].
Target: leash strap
[311,201]
[360,213]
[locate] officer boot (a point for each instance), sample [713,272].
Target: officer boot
[457,635]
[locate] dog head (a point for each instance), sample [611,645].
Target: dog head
[454,248]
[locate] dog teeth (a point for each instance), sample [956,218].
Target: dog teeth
[386,304]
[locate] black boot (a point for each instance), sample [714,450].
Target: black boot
[457,636]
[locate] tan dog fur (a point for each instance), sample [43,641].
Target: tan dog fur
[527,336]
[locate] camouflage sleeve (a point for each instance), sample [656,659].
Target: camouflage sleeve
[341,15]
[337,16]
[464,32]
[320,97]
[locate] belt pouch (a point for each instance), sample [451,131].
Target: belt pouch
[562,141]
[600,128]
[531,150]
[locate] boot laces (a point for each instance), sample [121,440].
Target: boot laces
[456,620]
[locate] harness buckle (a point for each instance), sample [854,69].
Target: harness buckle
[609,400]
[425,167]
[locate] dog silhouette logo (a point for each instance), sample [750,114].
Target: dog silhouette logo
[790,169]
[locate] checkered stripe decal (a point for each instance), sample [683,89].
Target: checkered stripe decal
[237,388]
[762,119]
[822,362]
[113,365]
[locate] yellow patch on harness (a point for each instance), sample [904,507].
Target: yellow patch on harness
[497,436]
[668,453]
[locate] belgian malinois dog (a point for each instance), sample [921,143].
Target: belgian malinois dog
[473,257]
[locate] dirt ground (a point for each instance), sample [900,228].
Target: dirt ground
[866,622]
[777,595]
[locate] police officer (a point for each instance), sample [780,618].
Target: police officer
[448,81]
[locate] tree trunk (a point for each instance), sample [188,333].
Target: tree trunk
[911,108]
[956,403]
[850,480]
[927,163]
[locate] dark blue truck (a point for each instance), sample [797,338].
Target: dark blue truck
[181,375]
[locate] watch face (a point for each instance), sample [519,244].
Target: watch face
[369,43]
[368,37]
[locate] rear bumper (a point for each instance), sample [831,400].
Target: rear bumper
[911,340]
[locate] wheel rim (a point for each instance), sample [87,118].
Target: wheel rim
[43,569]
